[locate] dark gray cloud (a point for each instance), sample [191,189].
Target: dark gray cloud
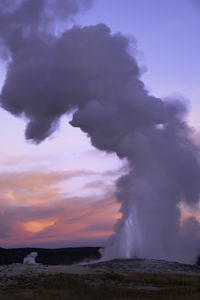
[36,15]
[24,18]
[90,72]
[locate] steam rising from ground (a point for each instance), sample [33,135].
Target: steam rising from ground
[91,71]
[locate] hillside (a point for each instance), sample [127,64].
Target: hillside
[61,256]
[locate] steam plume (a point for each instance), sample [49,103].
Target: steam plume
[91,71]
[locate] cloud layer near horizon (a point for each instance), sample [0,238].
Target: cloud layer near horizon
[37,210]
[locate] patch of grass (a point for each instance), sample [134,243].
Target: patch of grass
[102,286]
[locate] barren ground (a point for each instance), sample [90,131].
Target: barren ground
[115,279]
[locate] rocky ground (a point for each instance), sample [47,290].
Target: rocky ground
[117,266]
[21,269]
[145,266]
[115,279]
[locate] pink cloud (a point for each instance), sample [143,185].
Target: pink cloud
[36,211]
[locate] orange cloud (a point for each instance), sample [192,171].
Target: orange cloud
[37,209]
[35,188]
[185,214]
[37,225]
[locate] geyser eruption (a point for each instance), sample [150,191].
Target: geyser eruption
[91,71]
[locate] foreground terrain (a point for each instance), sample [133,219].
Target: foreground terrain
[115,279]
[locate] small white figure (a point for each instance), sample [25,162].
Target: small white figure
[30,258]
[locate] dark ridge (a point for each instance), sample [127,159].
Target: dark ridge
[61,256]
[198,260]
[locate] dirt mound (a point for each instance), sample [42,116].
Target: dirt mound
[145,266]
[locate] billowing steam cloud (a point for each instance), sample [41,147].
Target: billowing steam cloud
[90,71]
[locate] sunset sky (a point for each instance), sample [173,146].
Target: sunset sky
[61,192]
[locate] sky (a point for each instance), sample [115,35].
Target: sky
[61,192]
